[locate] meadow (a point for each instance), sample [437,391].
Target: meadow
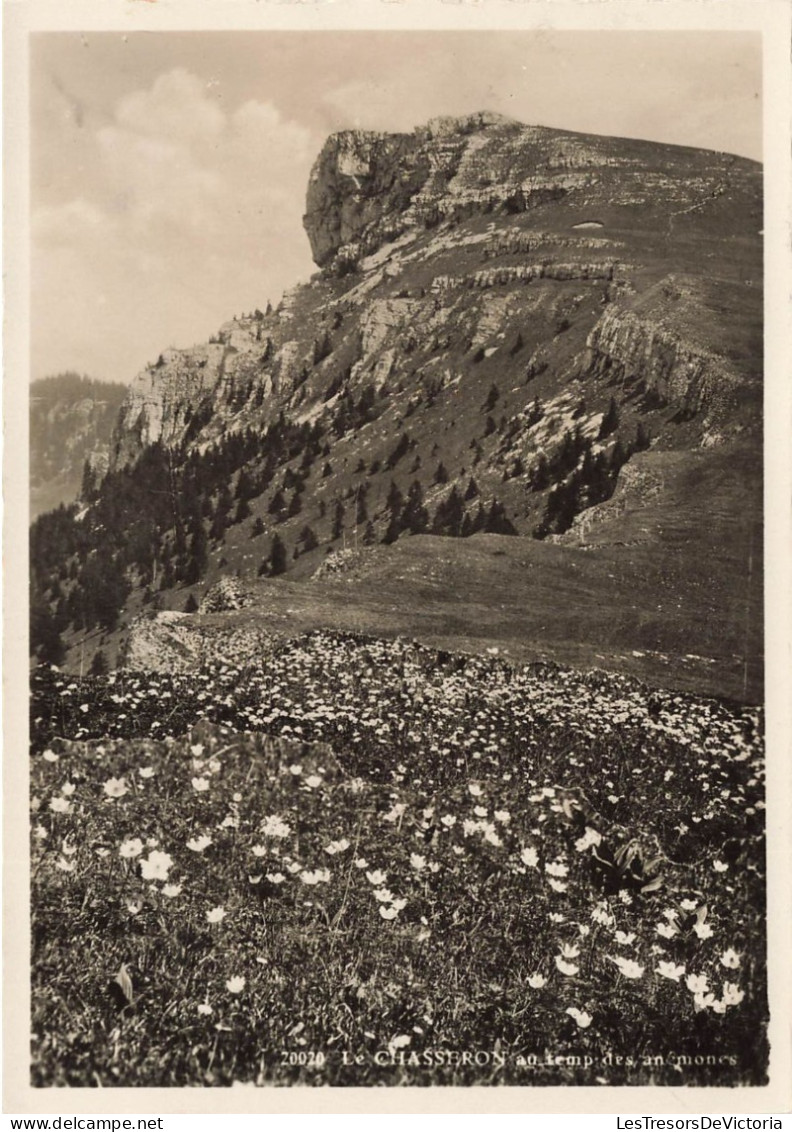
[364,862]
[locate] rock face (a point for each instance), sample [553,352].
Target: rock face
[413,230]
[367,188]
[513,330]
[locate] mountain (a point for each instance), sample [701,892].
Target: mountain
[513,331]
[71,421]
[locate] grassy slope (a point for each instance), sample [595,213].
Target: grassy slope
[671,607]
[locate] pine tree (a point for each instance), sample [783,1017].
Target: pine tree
[369,535]
[278,558]
[540,476]
[191,605]
[242,511]
[338,520]
[492,399]
[395,500]
[610,421]
[472,490]
[415,517]
[441,474]
[99,665]
[198,554]
[307,539]
[257,528]
[361,511]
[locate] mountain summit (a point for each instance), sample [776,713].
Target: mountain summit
[514,330]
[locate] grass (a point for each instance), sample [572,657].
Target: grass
[359,860]
[668,589]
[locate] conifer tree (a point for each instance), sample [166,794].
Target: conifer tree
[610,421]
[277,559]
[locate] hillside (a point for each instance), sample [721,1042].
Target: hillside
[513,331]
[71,420]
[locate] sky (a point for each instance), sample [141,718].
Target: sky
[169,169]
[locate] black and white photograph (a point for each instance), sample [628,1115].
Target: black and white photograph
[396,479]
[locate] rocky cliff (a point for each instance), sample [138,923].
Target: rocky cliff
[508,326]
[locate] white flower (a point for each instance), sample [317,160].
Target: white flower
[583,1019]
[41,833]
[236,984]
[669,971]
[397,905]
[274,826]
[530,857]
[697,984]
[475,789]
[557,885]
[276,878]
[133,907]
[384,895]
[146,772]
[337,846]
[448,820]
[198,844]
[589,838]
[50,756]
[131,848]
[503,816]
[480,811]
[688,905]
[377,877]
[361,863]
[570,951]
[313,780]
[703,931]
[667,931]
[295,769]
[556,869]
[204,1008]
[703,1001]
[399,1042]
[601,915]
[417,862]
[215,915]
[388,913]
[625,938]
[564,967]
[318,876]
[396,811]
[730,958]
[200,784]
[156,866]
[172,889]
[68,789]
[628,967]
[536,981]
[115,787]
[197,750]
[720,866]
[732,995]
[66,866]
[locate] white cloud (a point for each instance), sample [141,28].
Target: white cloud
[188,215]
[175,106]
